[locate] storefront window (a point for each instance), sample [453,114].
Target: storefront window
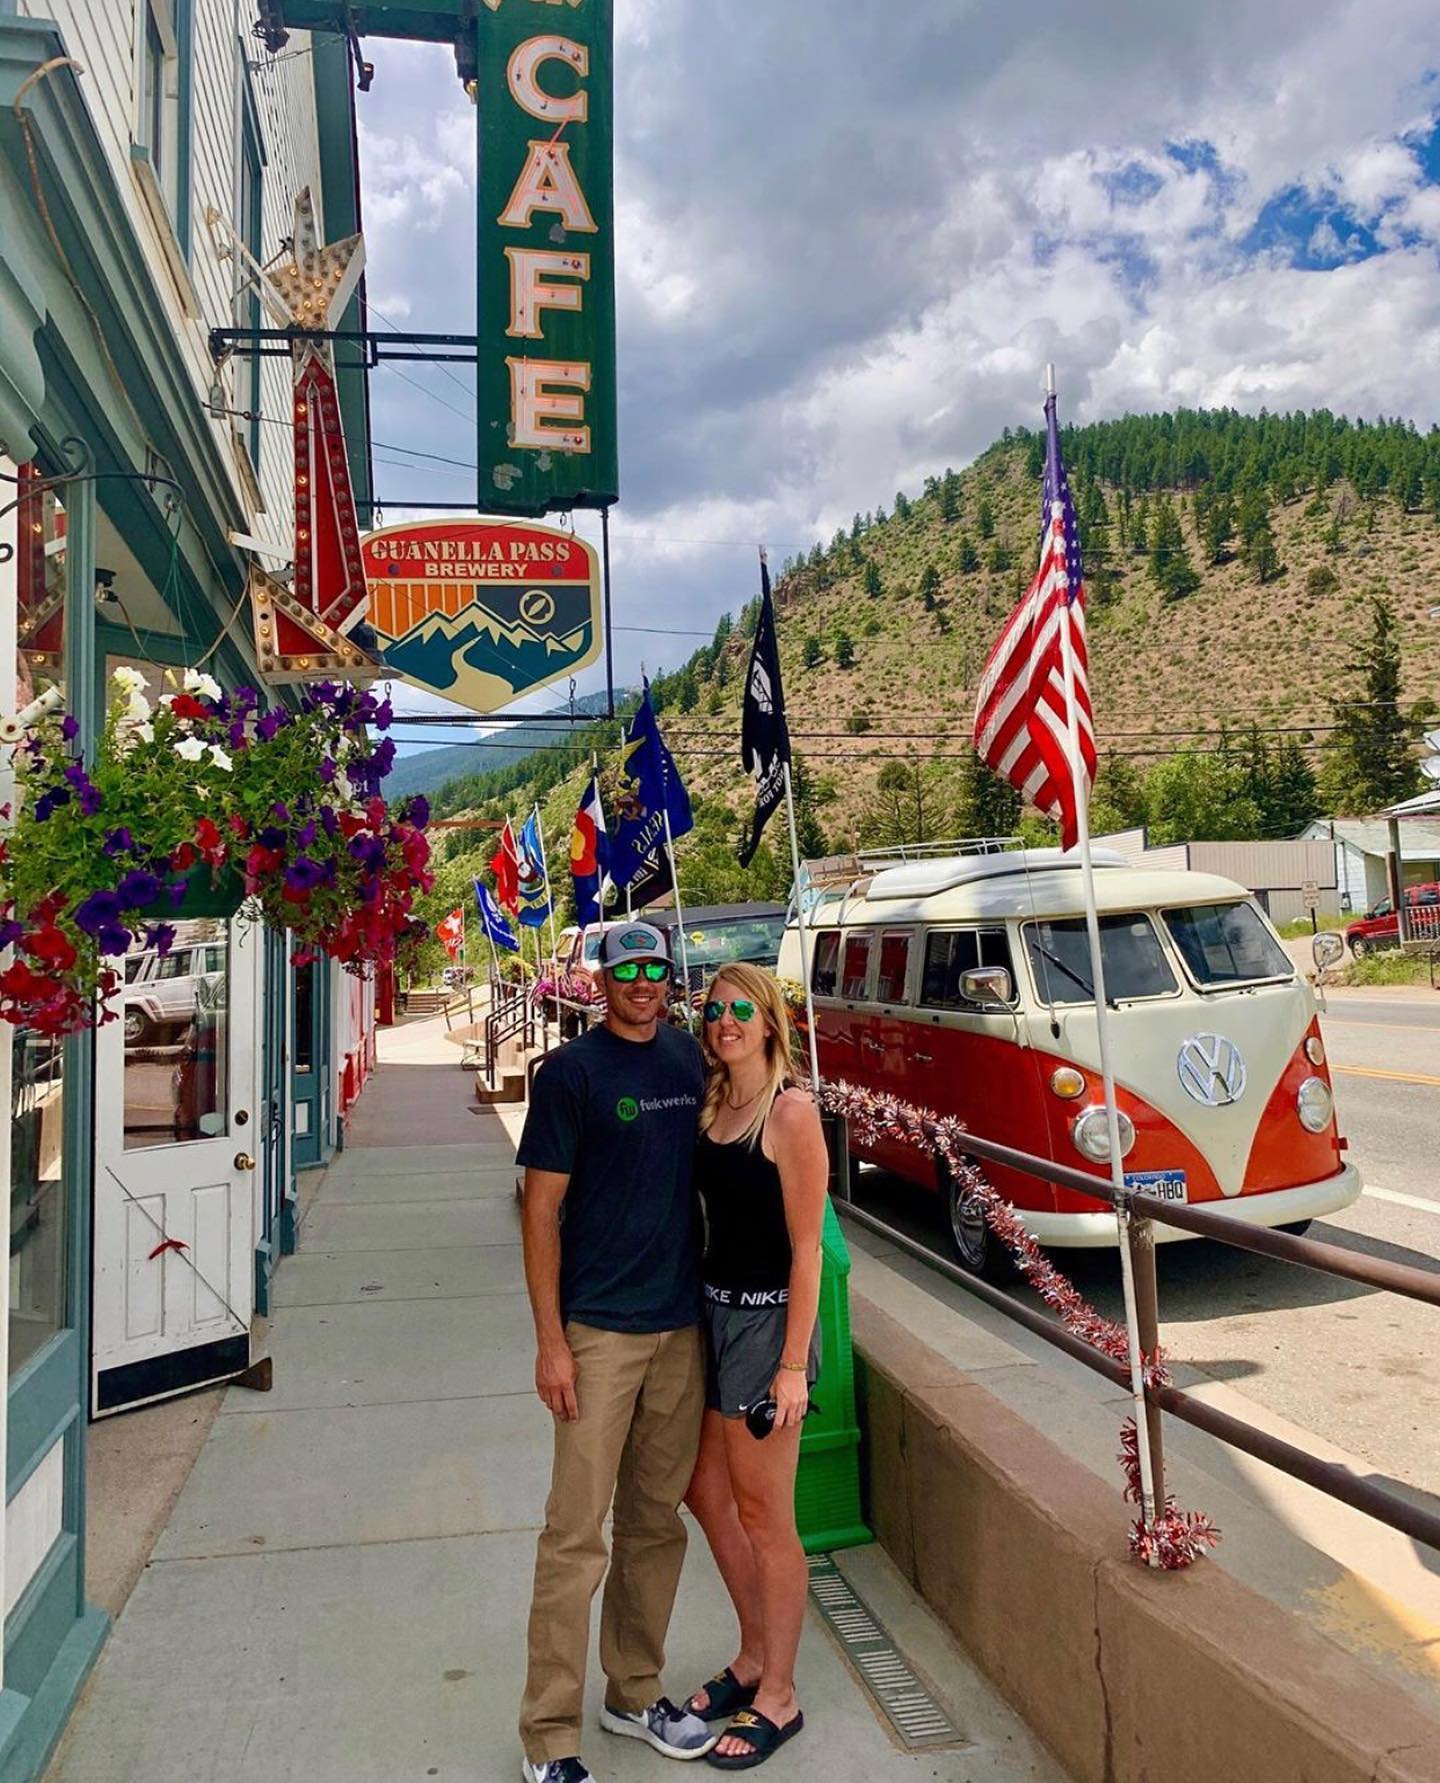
[304,1016]
[39,587]
[37,1194]
[177,1044]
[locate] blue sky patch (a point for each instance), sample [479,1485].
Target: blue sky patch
[1311,229]
[1135,183]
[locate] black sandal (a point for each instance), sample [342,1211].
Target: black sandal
[726,1695]
[761,1734]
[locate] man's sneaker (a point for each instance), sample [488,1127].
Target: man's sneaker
[556,1770]
[676,1732]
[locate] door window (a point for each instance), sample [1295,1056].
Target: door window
[1226,944]
[1135,964]
[38,1234]
[955,951]
[177,1043]
[855,977]
[893,969]
[824,968]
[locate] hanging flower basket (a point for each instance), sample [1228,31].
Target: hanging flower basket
[191,807]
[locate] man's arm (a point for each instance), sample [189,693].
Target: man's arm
[540,1233]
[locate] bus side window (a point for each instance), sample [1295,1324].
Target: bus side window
[947,955]
[855,978]
[893,969]
[824,966]
[995,951]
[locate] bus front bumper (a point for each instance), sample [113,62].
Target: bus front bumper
[1270,1207]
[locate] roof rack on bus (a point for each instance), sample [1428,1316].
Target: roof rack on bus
[843,869]
[923,879]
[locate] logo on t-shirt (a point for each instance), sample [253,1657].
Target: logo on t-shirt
[627,1108]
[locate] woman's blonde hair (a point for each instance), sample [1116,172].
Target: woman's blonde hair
[763,990]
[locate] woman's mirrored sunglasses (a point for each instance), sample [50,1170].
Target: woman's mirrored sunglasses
[657,971]
[740,1007]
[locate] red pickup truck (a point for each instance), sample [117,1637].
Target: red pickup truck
[1380,927]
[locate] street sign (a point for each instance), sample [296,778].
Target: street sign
[545,305]
[1310,893]
[483,611]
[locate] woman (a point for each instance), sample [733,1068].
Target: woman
[761,1169]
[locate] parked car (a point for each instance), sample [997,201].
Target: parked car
[1380,927]
[162,990]
[717,934]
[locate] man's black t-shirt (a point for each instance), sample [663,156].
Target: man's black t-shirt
[619,1118]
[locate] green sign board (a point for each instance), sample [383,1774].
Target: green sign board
[545,307]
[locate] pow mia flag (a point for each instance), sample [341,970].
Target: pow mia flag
[764,736]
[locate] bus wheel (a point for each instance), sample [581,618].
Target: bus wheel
[972,1242]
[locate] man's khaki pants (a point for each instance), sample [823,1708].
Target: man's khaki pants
[641,1398]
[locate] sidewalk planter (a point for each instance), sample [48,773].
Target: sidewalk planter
[827,1487]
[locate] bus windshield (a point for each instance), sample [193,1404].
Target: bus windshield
[1226,944]
[753,938]
[1130,951]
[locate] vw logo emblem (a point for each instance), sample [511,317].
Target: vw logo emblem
[1212,1070]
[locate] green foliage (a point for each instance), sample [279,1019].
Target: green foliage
[985,518]
[844,651]
[1370,763]
[968,556]
[1215,518]
[1320,581]
[999,558]
[1198,796]
[1279,781]
[812,652]
[908,805]
[857,723]
[1170,566]
[1121,788]
[988,805]
[902,505]
[950,497]
[874,587]
[929,586]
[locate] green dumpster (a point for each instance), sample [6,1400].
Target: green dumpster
[827,1486]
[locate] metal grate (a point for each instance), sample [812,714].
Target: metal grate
[911,1710]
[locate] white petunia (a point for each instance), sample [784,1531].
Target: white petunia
[205,685]
[137,709]
[219,757]
[342,785]
[190,749]
[130,679]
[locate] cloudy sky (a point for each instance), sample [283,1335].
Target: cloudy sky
[849,235]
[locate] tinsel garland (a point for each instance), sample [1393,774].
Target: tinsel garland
[1176,1538]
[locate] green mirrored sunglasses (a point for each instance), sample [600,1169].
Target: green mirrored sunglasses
[740,1007]
[657,971]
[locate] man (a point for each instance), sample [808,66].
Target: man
[614,1288]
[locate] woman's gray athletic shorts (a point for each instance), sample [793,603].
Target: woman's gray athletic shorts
[743,1346]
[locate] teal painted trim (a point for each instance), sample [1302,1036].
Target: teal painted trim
[290,1219]
[265,1261]
[42,1406]
[185,107]
[32,1740]
[19,1473]
[158,646]
[36,1628]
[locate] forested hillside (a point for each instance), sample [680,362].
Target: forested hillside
[1258,597]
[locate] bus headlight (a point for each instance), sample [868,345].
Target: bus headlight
[1091,1133]
[1314,1104]
[1315,1050]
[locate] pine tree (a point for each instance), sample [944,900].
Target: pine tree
[999,558]
[1411,488]
[857,526]
[929,586]
[807,800]
[985,518]
[950,498]
[1257,539]
[1292,796]
[1216,522]
[874,587]
[1370,764]
[1120,789]
[812,653]
[988,805]
[902,505]
[1175,576]
[969,556]
[844,651]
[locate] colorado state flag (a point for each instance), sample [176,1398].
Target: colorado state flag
[590,855]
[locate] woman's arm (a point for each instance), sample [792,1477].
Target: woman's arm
[798,1142]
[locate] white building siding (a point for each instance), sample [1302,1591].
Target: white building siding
[104,37]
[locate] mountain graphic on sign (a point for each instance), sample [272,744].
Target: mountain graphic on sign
[441,649]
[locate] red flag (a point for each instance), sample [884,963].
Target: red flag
[450,932]
[505,865]
[1022,712]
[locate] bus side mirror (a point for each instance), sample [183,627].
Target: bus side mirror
[1327,948]
[986,984]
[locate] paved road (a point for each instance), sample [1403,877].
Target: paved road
[1356,1366]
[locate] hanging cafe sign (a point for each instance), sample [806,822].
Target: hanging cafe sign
[482,611]
[545,311]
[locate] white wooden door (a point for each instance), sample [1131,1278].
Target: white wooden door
[174,1155]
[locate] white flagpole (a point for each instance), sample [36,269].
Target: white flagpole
[549,892]
[804,925]
[679,917]
[1107,1074]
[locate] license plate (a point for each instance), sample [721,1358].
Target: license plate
[1164,1185]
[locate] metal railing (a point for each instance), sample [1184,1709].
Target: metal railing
[1329,1477]
[511,1017]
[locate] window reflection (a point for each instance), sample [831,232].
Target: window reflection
[304,1016]
[40,585]
[37,1194]
[177,1038]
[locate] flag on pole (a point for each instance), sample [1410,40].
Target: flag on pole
[496,927]
[589,855]
[654,791]
[653,879]
[534,889]
[764,734]
[450,932]
[505,865]
[1022,718]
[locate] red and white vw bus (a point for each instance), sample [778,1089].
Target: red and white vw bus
[962,984]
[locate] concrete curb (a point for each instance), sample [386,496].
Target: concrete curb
[1128,1676]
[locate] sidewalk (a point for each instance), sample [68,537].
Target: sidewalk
[341,1590]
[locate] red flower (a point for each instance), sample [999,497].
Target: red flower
[375,813]
[185,705]
[51,945]
[19,981]
[261,861]
[350,825]
[238,825]
[184,857]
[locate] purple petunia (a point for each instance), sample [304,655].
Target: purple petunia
[328,770]
[97,911]
[50,802]
[369,851]
[280,811]
[161,936]
[303,874]
[176,891]
[269,723]
[137,888]
[114,938]
[119,842]
[69,728]
[270,837]
[417,811]
[304,837]
[384,714]
[237,734]
[329,822]
[370,890]
[10,931]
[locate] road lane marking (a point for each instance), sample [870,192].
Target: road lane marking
[1352,1021]
[1373,1194]
[1375,1071]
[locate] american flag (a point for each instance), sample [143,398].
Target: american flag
[1022,725]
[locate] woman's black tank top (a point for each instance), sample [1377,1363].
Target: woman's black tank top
[747,1243]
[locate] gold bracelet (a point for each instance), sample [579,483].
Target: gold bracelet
[797,1367]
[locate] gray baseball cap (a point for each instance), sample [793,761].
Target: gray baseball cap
[633,941]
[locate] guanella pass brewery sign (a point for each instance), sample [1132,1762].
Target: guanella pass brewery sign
[483,611]
[545,313]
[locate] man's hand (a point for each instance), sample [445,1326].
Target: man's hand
[555,1380]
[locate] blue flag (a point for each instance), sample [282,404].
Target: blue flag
[496,926]
[652,791]
[534,885]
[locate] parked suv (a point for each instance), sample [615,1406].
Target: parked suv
[162,990]
[1380,927]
